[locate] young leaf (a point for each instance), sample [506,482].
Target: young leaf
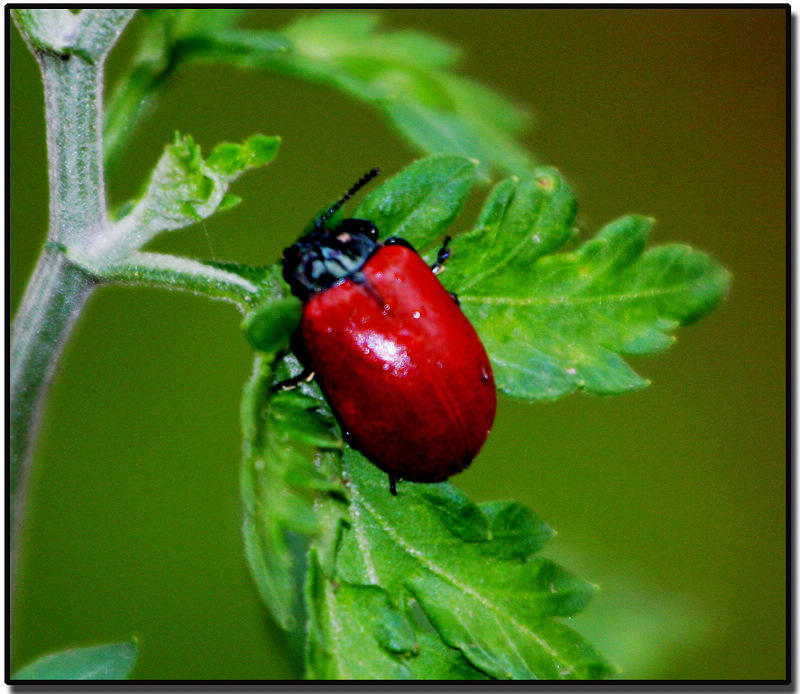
[111,661]
[183,189]
[553,323]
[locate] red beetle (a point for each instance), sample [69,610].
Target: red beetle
[403,368]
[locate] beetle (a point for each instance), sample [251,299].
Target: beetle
[401,365]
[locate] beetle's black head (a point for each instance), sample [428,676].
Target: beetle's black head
[325,257]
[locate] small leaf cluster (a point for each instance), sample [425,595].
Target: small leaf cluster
[428,584]
[184,188]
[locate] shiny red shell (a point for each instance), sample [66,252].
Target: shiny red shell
[403,368]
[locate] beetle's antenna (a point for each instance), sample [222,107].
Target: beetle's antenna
[366,178]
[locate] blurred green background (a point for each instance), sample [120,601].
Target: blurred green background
[673,499]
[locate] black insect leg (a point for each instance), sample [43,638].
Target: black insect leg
[442,256]
[392,483]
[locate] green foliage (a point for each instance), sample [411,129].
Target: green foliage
[406,75]
[484,595]
[553,323]
[426,585]
[268,328]
[420,202]
[429,582]
[284,436]
[111,661]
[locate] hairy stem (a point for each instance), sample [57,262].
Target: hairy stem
[70,50]
[53,299]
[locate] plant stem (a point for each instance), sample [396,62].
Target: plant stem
[70,50]
[53,299]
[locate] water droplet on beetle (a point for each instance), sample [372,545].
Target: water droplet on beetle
[484,374]
[385,367]
[415,314]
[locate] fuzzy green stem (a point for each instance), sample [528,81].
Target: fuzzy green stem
[53,299]
[70,50]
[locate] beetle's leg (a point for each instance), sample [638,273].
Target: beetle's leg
[392,483]
[454,296]
[306,375]
[442,256]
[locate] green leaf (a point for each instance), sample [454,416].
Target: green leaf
[438,661]
[406,75]
[112,661]
[229,201]
[421,201]
[269,327]
[183,189]
[492,603]
[553,323]
[285,442]
[355,632]
[229,159]
[515,531]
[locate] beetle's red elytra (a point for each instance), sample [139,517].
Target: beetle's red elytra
[401,365]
